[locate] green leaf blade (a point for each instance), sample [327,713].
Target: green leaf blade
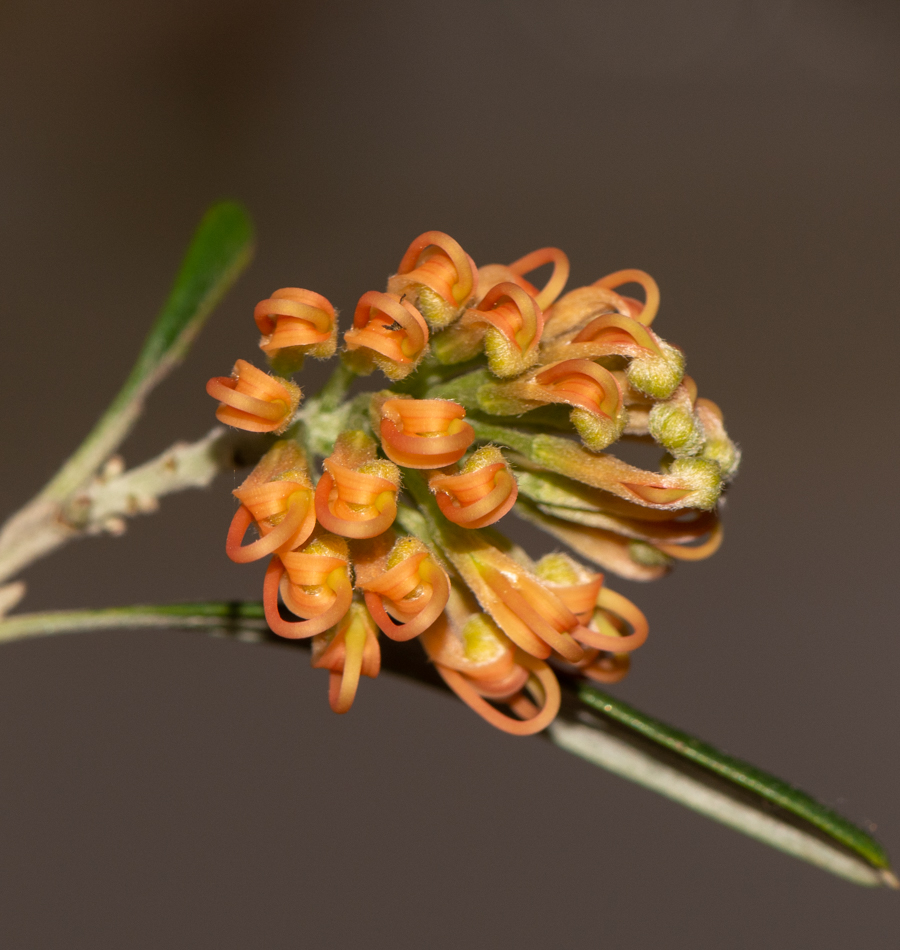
[739,773]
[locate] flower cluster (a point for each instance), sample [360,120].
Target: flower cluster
[504,397]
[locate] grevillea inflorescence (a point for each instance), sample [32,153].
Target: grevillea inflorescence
[505,398]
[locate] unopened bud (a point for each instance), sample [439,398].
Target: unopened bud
[388,332]
[481,494]
[252,400]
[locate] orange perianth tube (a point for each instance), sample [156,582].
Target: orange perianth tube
[608,669]
[620,606]
[585,384]
[476,499]
[424,433]
[554,286]
[294,317]
[642,313]
[469,693]
[323,609]
[354,504]
[511,310]
[352,652]
[295,526]
[581,599]
[536,609]
[389,326]
[613,330]
[436,260]
[417,591]
[252,400]
[697,552]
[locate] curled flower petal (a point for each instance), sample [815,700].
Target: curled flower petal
[438,276]
[492,274]
[295,322]
[349,650]
[424,433]
[408,583]
[643,312]
[278,497]
[314,583]
[603,636]
[479,663]
[252,400]
[357,494]
[388,332]
[481,494]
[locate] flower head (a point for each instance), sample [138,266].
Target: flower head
[251,399]
[516,404]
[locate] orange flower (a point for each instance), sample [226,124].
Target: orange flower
[357,494]
[424,433]
[315,584]
[576,586]
[278,496]
[598,406]
[348,651]
[479,663]
[293,323]
[643,312]
[408,583]
[530,614]
[511,323]
[481,494]
[438,276]
[492,274]
[388,332]
[252,400]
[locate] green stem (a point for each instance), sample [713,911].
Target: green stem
[332,394]
[591,724]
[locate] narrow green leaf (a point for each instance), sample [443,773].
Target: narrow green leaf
[220,249]
[739,773]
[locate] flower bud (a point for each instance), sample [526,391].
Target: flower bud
[314,583]
[482,493]
[423,433]
[674,424]
[408,585]
[598,409]
[278,496]
[387,332]
[478,663]
[252,400]
[357,494]
[348,650]
[293,323]
[655,367]
[718,447]
[437,276]
[687,483]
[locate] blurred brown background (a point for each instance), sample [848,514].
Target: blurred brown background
[165,789]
